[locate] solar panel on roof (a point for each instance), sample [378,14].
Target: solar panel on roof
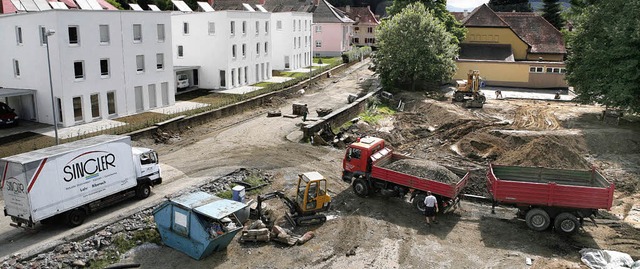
[261,8]
[153,7]
[42,4]
[181,5]
[18,5]
[94,5]
[205,7]
[83,4]
[248,7]
[135,7]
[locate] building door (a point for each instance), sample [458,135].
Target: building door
[286,62]
[164,89]
[152,96]
[223,79]
[138,95]
[195,77]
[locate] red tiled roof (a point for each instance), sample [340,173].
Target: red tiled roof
[363,13]
[7,7]
[535,31]
[105,5]
[483,16]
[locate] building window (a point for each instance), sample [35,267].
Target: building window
[185,28]
[258,49]
[556,70]
[160,61]
[563,70]
[370,30]
[233,27]
[59,102]
[278,25]
[140,63]
[137,92]
[257,27]
[16,68]
[95,106]
[104,68]
[137,33]
[180,51]
[318,28]
[77,108]
[244,50]
[212,28]
[233,51]
[244,27]
[160,30]
[104,34]
[266,48]
[19,35]
[43,35]
[294,42]
[78,70]
[306,22]
[74,37]
[111,103]
[299,42]
[355,40]
[266,27]
[536,69]
[318,43]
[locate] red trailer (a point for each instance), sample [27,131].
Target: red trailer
[545,196]
[363,167]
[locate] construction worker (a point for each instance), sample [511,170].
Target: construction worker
[305,112]
[431,207]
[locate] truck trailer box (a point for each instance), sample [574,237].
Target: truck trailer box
[46,182]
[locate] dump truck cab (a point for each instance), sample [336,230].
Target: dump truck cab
[357,159]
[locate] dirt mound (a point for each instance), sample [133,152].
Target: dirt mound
[482,145]
[551,152]
[535,118]
[424,169]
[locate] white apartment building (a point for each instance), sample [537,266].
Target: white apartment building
[104,64]
[223,49]
[292,33]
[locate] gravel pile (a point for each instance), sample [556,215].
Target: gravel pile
[424,169]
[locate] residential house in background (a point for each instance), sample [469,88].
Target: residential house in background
[332,31]
[512,49]
[292,32]
[104,64]
[223,49]
[17,6]
[364,26]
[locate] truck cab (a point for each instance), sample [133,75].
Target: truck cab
[146,165]
[357,159]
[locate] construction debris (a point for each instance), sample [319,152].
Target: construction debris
[424,169]
[257,231]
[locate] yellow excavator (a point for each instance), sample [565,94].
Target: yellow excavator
[311,198]
[470,88]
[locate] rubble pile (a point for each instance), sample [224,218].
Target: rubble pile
[424,169]
[240,177]
[257,231]
[551,152]
[103,245]
[165,137]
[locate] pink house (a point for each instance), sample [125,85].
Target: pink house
[7,6]
[364,28]
[332,30]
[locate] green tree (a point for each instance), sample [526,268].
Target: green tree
[414,49]
[438,9]
[551,12]
[115,4]
[604,63]
[510,5]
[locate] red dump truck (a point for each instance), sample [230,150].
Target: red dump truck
[364,166]
[547,196]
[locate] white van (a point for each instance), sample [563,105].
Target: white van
[182,81]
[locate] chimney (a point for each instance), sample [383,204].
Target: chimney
[348,9]
[465,13]
[210,2]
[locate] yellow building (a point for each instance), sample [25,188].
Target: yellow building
[512,49]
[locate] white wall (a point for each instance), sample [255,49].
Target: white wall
[213,52]
[121,52]
[293,25]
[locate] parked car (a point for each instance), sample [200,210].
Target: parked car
[182,81]
[8,117]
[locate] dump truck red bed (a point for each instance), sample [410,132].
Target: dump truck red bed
[521,185]
[383,157]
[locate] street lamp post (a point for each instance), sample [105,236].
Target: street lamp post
[310,52]
[47,34]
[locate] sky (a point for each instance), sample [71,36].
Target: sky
[466,4]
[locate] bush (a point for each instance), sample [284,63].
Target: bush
[355,53]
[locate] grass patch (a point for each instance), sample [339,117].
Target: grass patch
[263,84]
[122,243]
[332,61]
[143,118]
[26,142]
[376,112]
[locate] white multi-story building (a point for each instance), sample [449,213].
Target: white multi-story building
[223,49]
[103,64]
[292,33]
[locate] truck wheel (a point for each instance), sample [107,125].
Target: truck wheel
[566,223]
[418,202]
[538,219]
[75,217]
[143,191]
[360,188]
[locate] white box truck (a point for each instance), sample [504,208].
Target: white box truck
[71,180]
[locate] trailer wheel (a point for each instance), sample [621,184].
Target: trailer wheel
[538,219]
[75,217]
[360,188]
[143,191]
[566,223]
[418,202]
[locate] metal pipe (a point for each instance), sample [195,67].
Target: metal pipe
[48,33]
